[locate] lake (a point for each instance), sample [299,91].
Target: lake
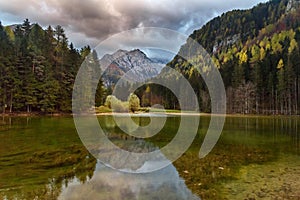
[255,158]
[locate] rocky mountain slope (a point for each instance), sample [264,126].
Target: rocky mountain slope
[134,65]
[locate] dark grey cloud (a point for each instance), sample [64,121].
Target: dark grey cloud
[90,21]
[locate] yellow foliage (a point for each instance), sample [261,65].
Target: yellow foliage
[262,53]
[10,33]
[262,43]
[280,64]
[243,57]
[216,62]
[255,53]
[148,89]
[293,45]
[268,46]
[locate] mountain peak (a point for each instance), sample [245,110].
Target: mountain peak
[135,62]
[121,53]
[137,51]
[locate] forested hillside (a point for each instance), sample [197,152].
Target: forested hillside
[38,69]
[257,52]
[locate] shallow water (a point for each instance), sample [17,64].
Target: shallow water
[255,157]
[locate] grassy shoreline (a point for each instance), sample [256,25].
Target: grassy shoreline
[32,114]
[156,111]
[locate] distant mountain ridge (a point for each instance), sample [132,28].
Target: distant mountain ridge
[135,63]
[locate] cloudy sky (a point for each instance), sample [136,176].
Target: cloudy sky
[91,21]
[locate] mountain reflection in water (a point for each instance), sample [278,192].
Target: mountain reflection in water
[111,184]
